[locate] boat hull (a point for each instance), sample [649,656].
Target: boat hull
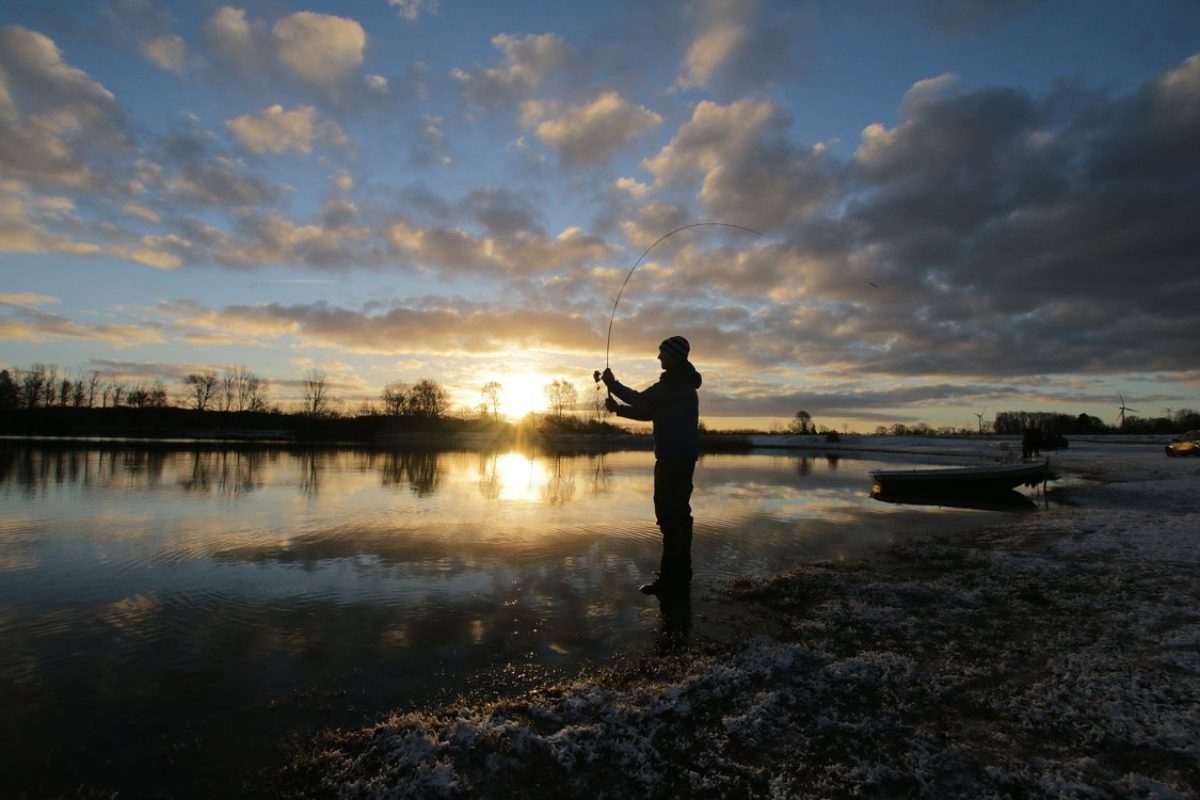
[964,481]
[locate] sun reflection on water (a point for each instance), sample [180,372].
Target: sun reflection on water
[518,478]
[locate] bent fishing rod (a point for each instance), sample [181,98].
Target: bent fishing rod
[611,317]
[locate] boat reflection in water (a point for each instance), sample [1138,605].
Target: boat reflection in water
[1008,500]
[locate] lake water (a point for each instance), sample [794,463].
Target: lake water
[169,614]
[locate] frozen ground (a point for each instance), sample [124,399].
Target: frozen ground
[1057,656]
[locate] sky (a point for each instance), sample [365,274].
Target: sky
[955,208]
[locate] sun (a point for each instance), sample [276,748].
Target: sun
[522,393]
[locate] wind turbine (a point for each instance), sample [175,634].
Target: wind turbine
[980,415]
[1124,408]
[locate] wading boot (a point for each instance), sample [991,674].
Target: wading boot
[669,582]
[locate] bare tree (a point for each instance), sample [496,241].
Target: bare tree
[32,385]
[255,392]
[156,395]
[247,382]
[317,402]
[561,396]
[143,396]
[802,423]
[228,388]
[50,386]
[491,397]
[93,388]
[394,397]
[428,399]
[241,390]
[10,391]
[202,388]
[79,391]
[66,388]
[115,392]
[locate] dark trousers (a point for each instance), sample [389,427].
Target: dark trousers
[673,513]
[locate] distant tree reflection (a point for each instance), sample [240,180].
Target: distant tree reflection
[559,487]
[602,475]
[226,472]
[490,483]
[419,469]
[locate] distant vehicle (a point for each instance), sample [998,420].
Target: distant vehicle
[1054,441]
[1186,445]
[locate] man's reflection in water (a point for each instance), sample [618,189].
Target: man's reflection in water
[676,625]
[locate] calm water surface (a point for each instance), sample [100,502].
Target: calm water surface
[169,616]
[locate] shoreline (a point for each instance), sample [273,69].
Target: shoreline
[1057,654]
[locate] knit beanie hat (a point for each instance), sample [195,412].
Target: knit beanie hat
[676,346]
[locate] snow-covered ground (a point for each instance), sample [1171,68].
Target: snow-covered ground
[1055,655]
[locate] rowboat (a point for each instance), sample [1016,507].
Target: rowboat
[975,481]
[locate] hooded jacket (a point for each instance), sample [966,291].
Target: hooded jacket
[673,407]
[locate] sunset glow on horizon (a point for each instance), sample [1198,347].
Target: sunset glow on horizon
[963,207]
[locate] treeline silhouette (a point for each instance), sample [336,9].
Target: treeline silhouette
[1016,422]
[235,404]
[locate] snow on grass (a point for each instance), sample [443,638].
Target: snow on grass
[1056,655]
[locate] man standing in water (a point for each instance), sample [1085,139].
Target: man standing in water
[674,409]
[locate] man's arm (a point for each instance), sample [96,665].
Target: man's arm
[641,404]
[638,411]
[623,392]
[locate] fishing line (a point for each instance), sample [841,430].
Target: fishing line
[636,264]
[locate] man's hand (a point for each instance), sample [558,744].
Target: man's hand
[611,404]
[607,377]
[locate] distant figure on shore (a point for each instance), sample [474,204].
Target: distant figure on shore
[673,406]
[1031,443]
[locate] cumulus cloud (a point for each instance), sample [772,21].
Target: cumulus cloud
[142,212]
[26,224]
[266,239]
[193,174]
[30,299]
[995,222]
[528,62]
[166,51]
[29,324]
[235,39]
[734,47]
[748,169]
[413,10]
[708,52]
[512,253]
[439,326]
[147,27]
[54,119]
[1013,235]
[274,130]
[592,132]
[632,187]
[322,51]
